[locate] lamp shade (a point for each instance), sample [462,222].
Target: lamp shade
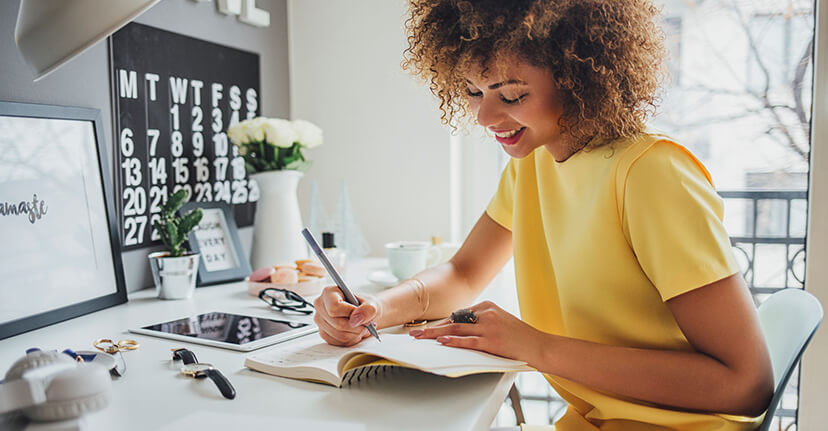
[49,33]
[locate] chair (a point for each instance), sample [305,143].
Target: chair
[789,319]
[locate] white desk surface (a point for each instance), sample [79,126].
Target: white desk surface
[153,392]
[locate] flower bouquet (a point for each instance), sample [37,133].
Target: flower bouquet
[271,144]
[272,151]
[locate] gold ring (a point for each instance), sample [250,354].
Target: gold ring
[105,345]
[128,344]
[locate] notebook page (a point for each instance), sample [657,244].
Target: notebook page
[431,355]
[308,351]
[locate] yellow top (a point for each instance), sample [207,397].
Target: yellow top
[601,241]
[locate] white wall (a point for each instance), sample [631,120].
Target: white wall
[383,135]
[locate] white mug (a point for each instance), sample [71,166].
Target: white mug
[406,258]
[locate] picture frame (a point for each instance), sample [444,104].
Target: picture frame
[61,256]
[216,239]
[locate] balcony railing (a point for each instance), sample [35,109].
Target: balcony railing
[771,222]
[769,243]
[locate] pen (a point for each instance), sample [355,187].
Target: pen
[349,296]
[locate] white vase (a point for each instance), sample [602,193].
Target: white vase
[277,232]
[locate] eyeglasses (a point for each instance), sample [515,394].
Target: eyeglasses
[286,300]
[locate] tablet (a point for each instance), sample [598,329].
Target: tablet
[230,331]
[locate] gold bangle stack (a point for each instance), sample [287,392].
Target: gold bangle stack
[422,298]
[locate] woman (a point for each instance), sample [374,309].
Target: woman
[632,303]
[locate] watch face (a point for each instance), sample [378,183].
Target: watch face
[196,368]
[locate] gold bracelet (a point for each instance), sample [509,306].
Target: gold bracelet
[419,286]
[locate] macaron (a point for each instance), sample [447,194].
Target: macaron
[262,274]
[284,276]
[313,268]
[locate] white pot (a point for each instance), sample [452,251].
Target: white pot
[277,233]
[175,277]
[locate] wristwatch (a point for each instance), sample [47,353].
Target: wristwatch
[201,369]
[184,354]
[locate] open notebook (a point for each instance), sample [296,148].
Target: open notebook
[310,358]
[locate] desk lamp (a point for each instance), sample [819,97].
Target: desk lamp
[49,33]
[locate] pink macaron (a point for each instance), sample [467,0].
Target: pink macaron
[262,274]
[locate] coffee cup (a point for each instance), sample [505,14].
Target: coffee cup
[406,258]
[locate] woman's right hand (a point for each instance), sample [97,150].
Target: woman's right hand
[341,323]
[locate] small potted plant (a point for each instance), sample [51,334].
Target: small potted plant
[175,270]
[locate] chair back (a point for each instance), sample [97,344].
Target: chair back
[789,319]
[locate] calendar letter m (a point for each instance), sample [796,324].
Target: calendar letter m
[128,84]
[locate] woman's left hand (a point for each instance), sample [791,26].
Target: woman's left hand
[496,332]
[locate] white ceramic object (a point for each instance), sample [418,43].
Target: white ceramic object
[384,278]
[277,235]
[406,258]
[175,277]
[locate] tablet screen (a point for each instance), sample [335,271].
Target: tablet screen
[226,327]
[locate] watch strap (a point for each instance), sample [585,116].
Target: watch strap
[223,384]
[185,355]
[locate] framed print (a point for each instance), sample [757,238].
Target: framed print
[60,256]
[216,238]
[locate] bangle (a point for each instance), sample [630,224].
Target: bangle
[422,298]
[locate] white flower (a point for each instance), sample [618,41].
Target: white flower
[238,133]
[256,129]
[279,133]
[309,134]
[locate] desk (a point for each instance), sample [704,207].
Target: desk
[154,393]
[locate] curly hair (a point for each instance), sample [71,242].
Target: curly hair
[606,56]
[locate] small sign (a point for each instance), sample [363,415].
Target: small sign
[216,239]
[213,243]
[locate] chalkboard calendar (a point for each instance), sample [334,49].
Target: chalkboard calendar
[174,96]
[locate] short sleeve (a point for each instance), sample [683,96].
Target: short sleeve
[672,217]
[501,206]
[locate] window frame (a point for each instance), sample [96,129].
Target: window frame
[814,374]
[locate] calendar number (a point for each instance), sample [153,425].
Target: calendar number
[239,191]
[135,201]
[153,135]
[158,195]
[134,229]
[127,145]
[204,192]
[158,171]
[221,191]
[132,172]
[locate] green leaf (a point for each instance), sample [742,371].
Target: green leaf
[172,231]
[175,202]
[190,221]
[300,165]
[162,231]
[249,167]
[270,153]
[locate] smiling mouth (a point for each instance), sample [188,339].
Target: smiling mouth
[509,137]
[508,134]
